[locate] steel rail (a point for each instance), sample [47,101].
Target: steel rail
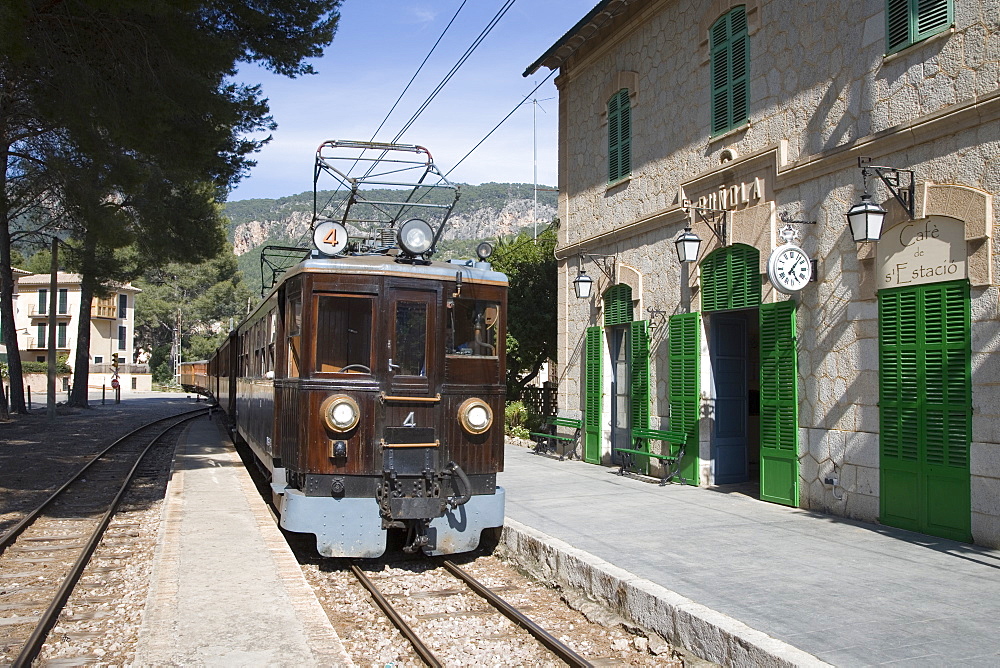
[48,619]
[425,654]
[551,643]
[15,531]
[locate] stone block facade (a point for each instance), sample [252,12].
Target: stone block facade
[824,91]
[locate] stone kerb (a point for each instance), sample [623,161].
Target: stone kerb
[709,634]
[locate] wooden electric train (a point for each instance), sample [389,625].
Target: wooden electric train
[369,381]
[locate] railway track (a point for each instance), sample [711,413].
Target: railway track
[407,604]
[43,556]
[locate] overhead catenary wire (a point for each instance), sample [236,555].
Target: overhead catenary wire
[461,61]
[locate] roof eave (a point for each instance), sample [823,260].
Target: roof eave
[553,58]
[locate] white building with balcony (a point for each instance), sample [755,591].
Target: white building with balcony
[112,328]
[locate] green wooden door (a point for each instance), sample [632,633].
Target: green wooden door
[592,396]
[925,409]
[779,404]
[638,343]
[684,348]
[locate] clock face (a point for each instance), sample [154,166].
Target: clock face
[789,269]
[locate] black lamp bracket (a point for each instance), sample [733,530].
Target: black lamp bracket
[606,263]
[903,189]
[714,218]
[656,316]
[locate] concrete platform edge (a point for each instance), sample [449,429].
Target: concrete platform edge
[324,642]
[685,623]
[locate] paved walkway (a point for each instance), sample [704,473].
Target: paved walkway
[851,594]
[226,589]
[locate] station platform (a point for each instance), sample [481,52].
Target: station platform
[751,582]
[226,589]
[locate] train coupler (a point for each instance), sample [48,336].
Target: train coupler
[416,536]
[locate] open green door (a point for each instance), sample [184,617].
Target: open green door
[925,408]
[592,396]
[638,351]
[684,347]
[779,404]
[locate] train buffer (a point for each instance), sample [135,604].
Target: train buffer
[555,431]
[674,442]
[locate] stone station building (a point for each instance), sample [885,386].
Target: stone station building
[858,379]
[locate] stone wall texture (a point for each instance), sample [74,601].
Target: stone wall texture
[822,94]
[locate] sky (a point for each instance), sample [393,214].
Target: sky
[377,49]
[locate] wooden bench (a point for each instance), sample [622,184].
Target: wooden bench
[558,430]
[676,442]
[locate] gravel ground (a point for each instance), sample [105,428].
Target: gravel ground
[462,629]
[101,621]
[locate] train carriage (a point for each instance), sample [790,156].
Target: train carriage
[370,383]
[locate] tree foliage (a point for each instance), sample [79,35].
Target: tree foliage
[205,299]
[530,266]
[121,128]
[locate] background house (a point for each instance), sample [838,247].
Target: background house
[111,330]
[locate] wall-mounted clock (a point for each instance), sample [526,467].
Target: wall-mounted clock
[789,269]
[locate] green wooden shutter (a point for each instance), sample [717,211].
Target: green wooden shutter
[639,360]
[731,278]
[684,349]
[619,136]
[925,408]
[618,305]
[910,21]
[638,342]
[624,135]
[729,45]
[779,404]
[592,396]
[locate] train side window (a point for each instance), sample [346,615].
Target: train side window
[343,334]
[472,327]
[272,331]
[293,315]
[411,339]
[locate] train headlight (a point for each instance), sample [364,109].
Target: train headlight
[340,413]
[475,416]
[415,237]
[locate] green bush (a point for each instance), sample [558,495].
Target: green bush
[161,373]
[62,366]
[516,419]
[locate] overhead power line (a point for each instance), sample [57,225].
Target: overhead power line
[461,61]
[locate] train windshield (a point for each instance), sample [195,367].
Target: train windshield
[344,334]
[472,328]
[411,338]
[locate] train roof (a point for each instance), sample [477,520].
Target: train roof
[386,265]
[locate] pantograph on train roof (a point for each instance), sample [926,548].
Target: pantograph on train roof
[385,195]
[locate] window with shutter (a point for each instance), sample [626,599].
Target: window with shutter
[925,408]
[619,136]
[730,71]
[683,349]
[618,305]
[730,278]
[593,355]
[910,21]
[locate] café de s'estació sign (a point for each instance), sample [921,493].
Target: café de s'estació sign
[929,250]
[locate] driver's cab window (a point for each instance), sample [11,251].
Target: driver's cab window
[472,327]
[343,334]
[293,325]
[411,339]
